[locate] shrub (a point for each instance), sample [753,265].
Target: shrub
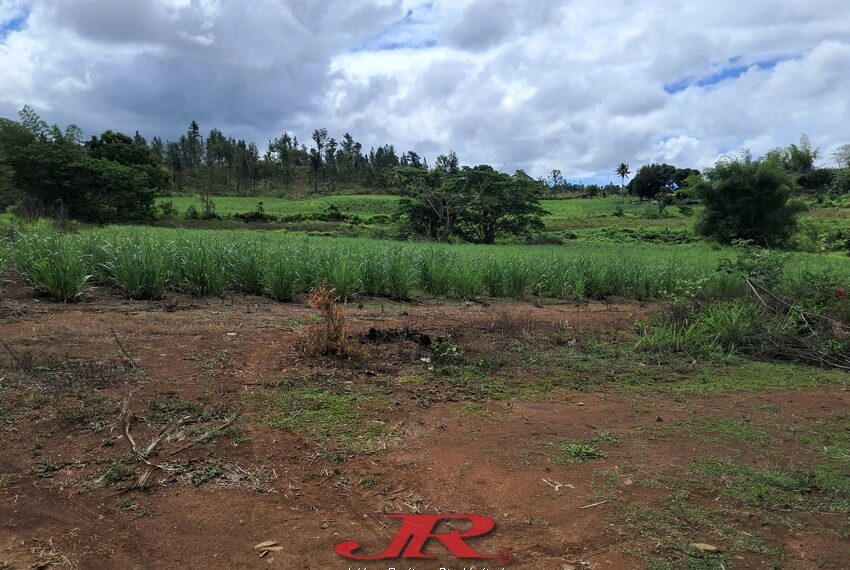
[748,199]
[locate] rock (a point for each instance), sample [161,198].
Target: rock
[325,524]
[704,547]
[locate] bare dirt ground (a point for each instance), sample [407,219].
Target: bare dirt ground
[543,417]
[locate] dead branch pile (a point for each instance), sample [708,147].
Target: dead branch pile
[795,333]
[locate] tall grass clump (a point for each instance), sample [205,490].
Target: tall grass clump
[52,264]
[3,255]
[342,274]
[246,268]
[517,278]
[493,277]
[465,280]
[202,267]
[435,273]
[139,268]
[280,275]
[373,274]
[401,274]
[722,328]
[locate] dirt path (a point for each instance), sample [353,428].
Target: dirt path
[318,451]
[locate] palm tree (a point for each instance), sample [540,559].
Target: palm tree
[623,171]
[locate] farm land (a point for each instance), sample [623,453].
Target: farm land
[540,385]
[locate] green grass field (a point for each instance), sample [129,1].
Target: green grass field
[607,219]
[145,262]
[364,205]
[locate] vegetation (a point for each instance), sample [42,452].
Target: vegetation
[112,178]
[477,204]
[749,199]
[652,179]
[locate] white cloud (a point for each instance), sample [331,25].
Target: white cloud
[563,84]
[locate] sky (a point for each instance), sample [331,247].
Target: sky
[578,86]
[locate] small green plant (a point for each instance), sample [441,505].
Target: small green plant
[580,452]
[209,472]
[47,468]
[445,350]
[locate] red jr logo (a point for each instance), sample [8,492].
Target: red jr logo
[416,530]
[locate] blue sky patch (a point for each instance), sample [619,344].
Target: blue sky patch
[14,25]
[412,31]
[732,70]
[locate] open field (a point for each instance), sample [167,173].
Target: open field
[587,451]
[608,219]
[539,385]
[364,205]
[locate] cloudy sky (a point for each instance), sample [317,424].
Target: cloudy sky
[537,84]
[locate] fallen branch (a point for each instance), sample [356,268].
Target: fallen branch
[121,346]
[12,354]
[593,505]
[206,435]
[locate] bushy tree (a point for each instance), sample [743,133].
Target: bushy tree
[748,199]
[500,205]
[841,182]
[91,189]
[131,152]
[476,204]
[112,178]
[652,179]
[800,158]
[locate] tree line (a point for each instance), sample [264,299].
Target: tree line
[224,165]
[50,171]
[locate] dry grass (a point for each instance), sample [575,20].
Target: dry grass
[330,336]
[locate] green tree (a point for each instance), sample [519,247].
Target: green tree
[476,204]
[503,205]
[132,152]
[623,171]
[841,182]
[99,190]
[748,199]
[109,179]
[653,179]
[800,158]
